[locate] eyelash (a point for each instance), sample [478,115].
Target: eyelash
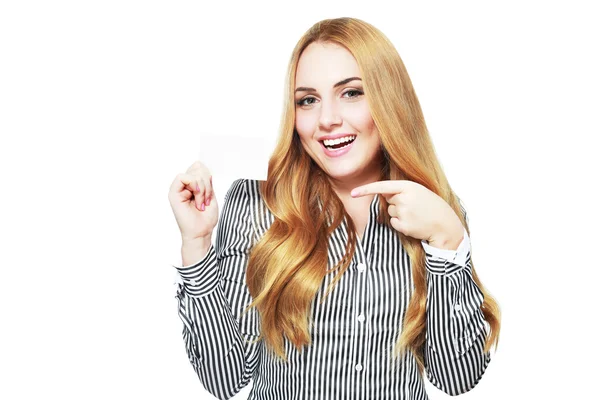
[360,93]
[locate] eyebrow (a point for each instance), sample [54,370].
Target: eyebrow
[340,83]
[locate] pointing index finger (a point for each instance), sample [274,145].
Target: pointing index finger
[381,187]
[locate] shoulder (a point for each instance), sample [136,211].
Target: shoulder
[252,187]
[244,190]
[244,198]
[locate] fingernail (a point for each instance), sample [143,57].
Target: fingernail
[197,187]
[208,201]
[202,207]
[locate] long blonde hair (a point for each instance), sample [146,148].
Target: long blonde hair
[287,266]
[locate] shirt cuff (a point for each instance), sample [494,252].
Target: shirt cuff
[200,278]
[458,256]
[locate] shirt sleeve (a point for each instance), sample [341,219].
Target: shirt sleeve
[458,256]
[212,296]
[456,328]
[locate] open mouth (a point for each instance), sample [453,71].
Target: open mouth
[337,144]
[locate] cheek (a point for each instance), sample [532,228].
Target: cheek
[360,118]
[304,125]
[366,119]
[363,121]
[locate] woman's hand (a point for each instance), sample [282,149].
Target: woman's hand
[193,202]
[416,211]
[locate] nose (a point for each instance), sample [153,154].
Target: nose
[330,116]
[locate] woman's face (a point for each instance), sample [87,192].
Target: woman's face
[330,103]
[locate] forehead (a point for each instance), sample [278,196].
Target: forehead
[325,63]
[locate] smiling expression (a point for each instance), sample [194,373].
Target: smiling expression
[331,105]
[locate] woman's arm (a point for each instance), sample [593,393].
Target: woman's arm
[456,329]
[212,297]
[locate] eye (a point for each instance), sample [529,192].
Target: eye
[302,101]
[355,91]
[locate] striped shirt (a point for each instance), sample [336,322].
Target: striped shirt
[353,332]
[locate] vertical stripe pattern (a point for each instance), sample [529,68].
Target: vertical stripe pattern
[353,332]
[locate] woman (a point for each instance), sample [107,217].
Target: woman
[356,213]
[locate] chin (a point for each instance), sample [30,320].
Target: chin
[342,173]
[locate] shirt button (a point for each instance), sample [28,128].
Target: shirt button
[358,367]
[361,317]
[361,267]
[458,307]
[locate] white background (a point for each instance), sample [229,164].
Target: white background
[102,103]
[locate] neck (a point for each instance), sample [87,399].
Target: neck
[343,188]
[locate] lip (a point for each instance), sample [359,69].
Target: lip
[336,153]
[335,136]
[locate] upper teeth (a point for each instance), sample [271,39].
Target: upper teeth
[328,142]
